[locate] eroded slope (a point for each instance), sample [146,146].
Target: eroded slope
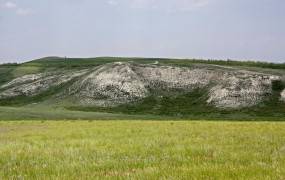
[123,82]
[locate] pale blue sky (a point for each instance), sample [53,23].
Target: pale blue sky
[218,29]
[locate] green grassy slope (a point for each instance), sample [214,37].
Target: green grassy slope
[50,113]
[79,62]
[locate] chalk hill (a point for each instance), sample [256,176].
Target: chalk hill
[114,83]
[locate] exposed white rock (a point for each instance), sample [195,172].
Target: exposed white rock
[283,95]
[175,77]
[30,85]
[240,90]
[110,84]
[24,79]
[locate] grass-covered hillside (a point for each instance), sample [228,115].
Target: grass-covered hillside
[82,88]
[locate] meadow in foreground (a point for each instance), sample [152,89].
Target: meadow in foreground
[142,150]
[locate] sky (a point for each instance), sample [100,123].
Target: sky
[209,29]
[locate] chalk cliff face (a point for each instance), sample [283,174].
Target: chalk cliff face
[119,83]
[240,89]
[109,85]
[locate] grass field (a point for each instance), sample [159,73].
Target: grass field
[142,150]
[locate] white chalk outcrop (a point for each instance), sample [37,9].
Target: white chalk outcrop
[283,95]
[167,77]
[34,84]
[24,79]
[240,90]
[117,83]
[109,85]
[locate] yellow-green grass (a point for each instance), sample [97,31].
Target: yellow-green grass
[23,70]
[142,150]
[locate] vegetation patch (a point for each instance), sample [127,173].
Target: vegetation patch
[193,105]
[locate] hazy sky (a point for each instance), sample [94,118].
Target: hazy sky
[235,29]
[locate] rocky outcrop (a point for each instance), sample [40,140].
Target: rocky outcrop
[283,95]
[118,83]
[34,84]
[239,89]
[167,77]
[22,80]
[109,85]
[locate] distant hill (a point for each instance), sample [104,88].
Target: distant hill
[159,86]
